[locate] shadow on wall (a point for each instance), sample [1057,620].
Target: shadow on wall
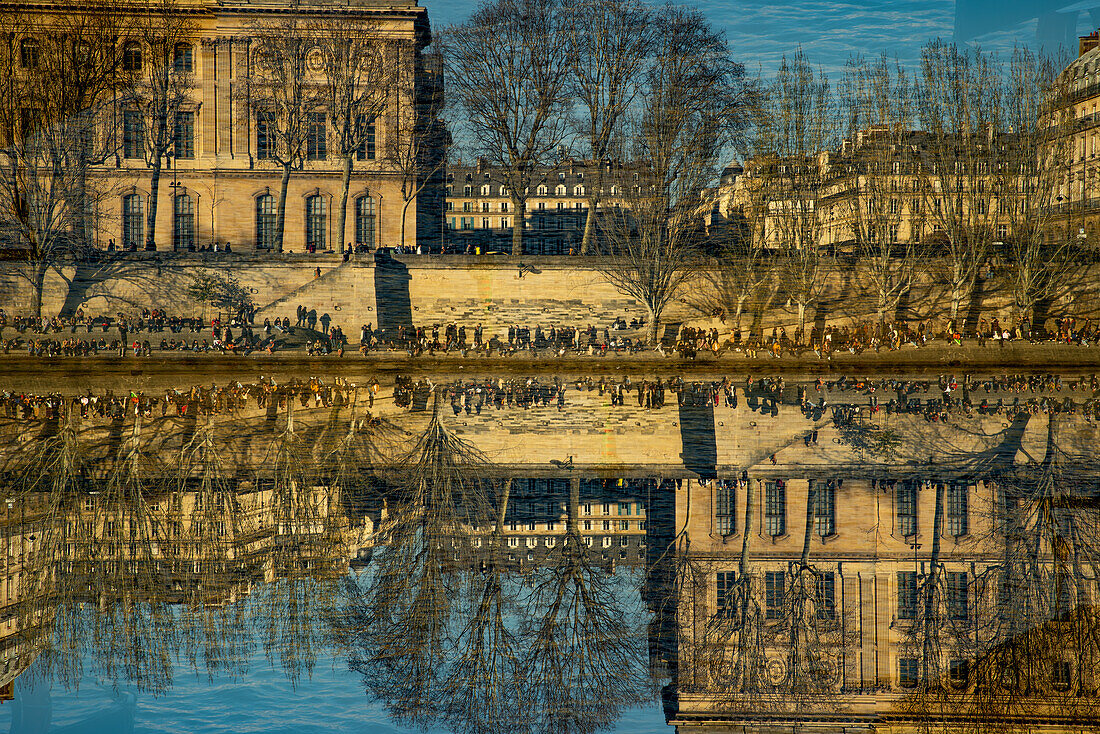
[697,434]
[391,292]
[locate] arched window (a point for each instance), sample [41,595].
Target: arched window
[365,222]
[132,222]
[183,223]
[28,53]
[315,222]
[265,222]
[559,190]
[541,190]
[131,57]
[182,57]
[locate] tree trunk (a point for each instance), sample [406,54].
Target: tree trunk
[738,311]
[750,498]
[404,214]
[38,284]
[652,326]
[802,317]
[958,285]
[345,184]
[520,207]
[154,198]
[589,228]
[280,212]
[931,626]
[574,507]
[810,496]
[503,510]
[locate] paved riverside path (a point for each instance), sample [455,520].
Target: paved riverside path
[937,357]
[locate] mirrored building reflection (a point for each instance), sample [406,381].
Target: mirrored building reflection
[752,555]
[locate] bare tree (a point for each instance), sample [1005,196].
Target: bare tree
[1038,155]
[1018,633]
[959,105]
[398,624]
[585,657]
[484,685]
[281,91]
[743,276]
[877,177]
[794,131]
[609,43]
[55,123]
[506,69]
[694,103]
[420,151]
[360,68]
[161,90]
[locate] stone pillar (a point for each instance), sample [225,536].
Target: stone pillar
[223,85]
[239,104]
[866,600]
[852,615]
[209,105]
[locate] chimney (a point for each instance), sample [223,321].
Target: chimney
[1087,43]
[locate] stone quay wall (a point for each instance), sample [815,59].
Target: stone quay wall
[495,291]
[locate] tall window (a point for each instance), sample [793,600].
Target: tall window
[132,222]
[315,222]
[907,594]
[957,502]
[265,135]
[908,672]
[30,123]
[724,608]
[825,595]
[265,222]
[182,57]
[958,598]
[775,507]
[367,140]
[183,223]
[825,508]
[774,592]
[184,135]
[958,672]
[316,146]
[132,142]
[1061,675]
[364,221]
[131,57]
[29,53]
[725,502]
[907,508]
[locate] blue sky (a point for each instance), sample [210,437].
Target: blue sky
[829,31]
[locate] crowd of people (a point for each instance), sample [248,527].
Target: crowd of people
[844,399]
[88,335]
[134,334]
[452,337]
[197,400]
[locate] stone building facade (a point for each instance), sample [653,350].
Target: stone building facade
[479,210]
[218,185]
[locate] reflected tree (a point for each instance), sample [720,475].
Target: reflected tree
[585,658]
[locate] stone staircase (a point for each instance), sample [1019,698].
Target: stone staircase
[338,292]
